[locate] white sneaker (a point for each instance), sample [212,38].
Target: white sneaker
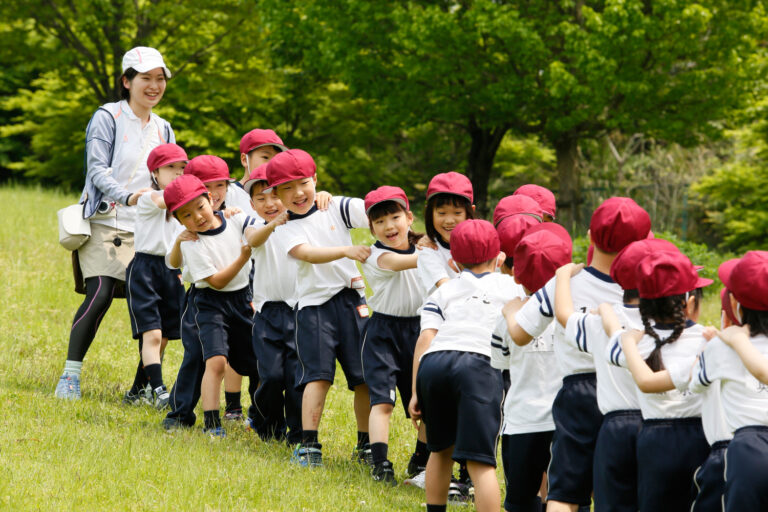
[418,480]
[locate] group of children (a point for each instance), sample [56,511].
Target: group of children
[601,384]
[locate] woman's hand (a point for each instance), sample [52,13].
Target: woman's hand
[134,198]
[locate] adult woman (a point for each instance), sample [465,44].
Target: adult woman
[118,139]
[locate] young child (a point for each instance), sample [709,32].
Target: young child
[743,395]
[455,390]
[616,223]
[154,292]
[528,425]
[274,416]
[449,201]
[332,311]
[218,264]
[257,147]
[615,460]
[391,334]
[671,442]
[543,196]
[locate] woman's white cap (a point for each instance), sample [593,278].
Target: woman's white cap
[144,59]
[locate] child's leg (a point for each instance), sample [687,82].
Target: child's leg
[362,407]
[439,469]
[378,423]
[487,494]
[233,383]
[211,386]
[313,402]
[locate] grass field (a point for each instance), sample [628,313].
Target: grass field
[97,454]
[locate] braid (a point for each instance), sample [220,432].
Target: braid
[663,308]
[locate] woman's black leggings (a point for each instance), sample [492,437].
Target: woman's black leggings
[99,291]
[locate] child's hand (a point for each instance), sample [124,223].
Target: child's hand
[323,200]
[453,266]
[569,269]
[512,307]
[229,212]
[187,236]
[415,410]
[358,252]
[245,252]
[425,242]
[734,334]
[709,333]
[280,219]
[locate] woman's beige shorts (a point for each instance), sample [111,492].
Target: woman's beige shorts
[100,257]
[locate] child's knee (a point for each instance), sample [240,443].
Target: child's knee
[216,365]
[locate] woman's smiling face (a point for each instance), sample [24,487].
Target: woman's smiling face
[146,89]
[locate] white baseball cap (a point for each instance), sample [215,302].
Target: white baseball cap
[143,59]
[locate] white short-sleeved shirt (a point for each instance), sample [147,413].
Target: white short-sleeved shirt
[465,310]
[433,266]
[744,398]
[153,234]
[616,389]
[589,289]
[275,277]
[216,249]
[326,228]
[395,293]
[534,379]
[178,229]
[237,197]
[678,358]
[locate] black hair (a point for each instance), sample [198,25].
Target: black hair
[444,199]
[472,266]
[509,262]
[630,295]
[265,183]
[668,310]
[757,320]
[387,208]
[130,74]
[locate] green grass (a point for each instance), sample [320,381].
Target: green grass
[98,454]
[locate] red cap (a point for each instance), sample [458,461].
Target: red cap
[543,249]
[512,229]
[617,222]
[165,154]
[385,193]
[293,164]
[257,138]
[474,241]
[513,205]
[182,190]
[450,183]
[663,274]
[208,168]
[258,174]
[624,266]
[746,278]
[542,195]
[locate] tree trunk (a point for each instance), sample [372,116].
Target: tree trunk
[569,190]
[482,152]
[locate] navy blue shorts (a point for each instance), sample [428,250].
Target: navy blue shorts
[746,473]
[709,480]
[388,344]
[224,321]
[668,453]
[333,330]
[460,395]
[155,296]
[577,422]
[525,458]
[615,464]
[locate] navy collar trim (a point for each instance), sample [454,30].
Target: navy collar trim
[670,327]
[599,275]
[476,275]
[443,243]
[411,249]
[632,306]
[295,216]
[216,231]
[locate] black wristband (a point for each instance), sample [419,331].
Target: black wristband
[127,199]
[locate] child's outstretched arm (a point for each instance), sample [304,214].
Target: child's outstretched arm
[397,262]
[312,254]
[222,278]
[518,334]
[257,235]
[563,300]
[174,258]
[611,323]
[737,337]
[646,379]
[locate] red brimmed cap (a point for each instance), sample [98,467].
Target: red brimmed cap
[747,279]
[624,266]
[514,205]
[208,168]
[474,241]
[258,174]
[165,154]
[664,274]
[293,164]
[542,195]
[385,193]
[182,190]
[450,183]
[542,250]
[257,138]
[512,229]
[618,222]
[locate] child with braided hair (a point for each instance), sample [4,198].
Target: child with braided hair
[671,443]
